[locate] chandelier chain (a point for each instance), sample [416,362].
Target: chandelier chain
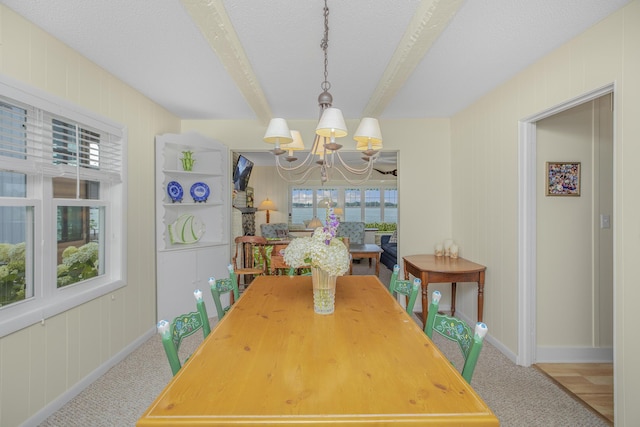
[324,44]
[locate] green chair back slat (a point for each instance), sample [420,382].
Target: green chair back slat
[304,271]
[221,287]
[454,329]
[404,287]
[183,326]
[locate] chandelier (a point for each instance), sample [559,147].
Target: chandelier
[324,155]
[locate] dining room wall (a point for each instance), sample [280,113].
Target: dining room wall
[43,365]
[484,139]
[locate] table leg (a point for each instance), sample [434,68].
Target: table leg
[377,265]
[453,298]
[425,299]
[480,295]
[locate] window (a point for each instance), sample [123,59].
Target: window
[372,205]
[61,188]
[353,204]
[390,205]
[301,205]
[367,204]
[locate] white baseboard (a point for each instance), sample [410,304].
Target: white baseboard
[501,347]
[574,355]
[551,354]
[489,338]
[72,392]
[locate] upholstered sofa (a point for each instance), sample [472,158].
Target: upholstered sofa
[278,230]
[390,255]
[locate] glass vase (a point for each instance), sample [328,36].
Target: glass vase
[324,291]
[187,161]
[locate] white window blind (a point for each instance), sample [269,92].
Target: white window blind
[34,141]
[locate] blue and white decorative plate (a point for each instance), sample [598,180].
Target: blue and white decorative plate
[175,191]
[200,192]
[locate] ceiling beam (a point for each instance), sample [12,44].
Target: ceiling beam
[211,18]
[430,19]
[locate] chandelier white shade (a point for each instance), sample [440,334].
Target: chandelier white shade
[332,124]
[278,133]
[296,145]
[368,132]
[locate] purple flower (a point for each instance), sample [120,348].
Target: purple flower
[331,226]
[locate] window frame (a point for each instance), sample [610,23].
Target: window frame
[48,299]
[341,190]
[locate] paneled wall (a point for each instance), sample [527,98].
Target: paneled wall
[485,186]
[44,362]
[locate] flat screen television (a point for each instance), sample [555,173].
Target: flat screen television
[241,173]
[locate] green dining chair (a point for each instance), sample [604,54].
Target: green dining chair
[220,287]
[299,271]
[456,330]
[183,326]
[404,287]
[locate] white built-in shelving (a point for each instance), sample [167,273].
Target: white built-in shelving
[181,268]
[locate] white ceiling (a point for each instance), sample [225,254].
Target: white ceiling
[250,59]
[387,58]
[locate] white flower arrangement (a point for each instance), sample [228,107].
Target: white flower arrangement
[322,250]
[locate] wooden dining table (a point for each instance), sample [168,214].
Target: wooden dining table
[273,360]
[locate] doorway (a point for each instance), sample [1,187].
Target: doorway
[540,339]
[574,238]
[529,186]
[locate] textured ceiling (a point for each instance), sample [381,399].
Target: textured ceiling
[244,59]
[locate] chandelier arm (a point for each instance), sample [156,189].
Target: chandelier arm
[306,162]
[302,179]
[367,169]
[355,181]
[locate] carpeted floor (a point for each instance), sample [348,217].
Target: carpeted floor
[518,396]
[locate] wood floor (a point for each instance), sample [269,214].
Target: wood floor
[591,383]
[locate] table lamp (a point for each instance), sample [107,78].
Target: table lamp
[315,223]
[267,205]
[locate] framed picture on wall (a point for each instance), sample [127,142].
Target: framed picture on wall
[563,179]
